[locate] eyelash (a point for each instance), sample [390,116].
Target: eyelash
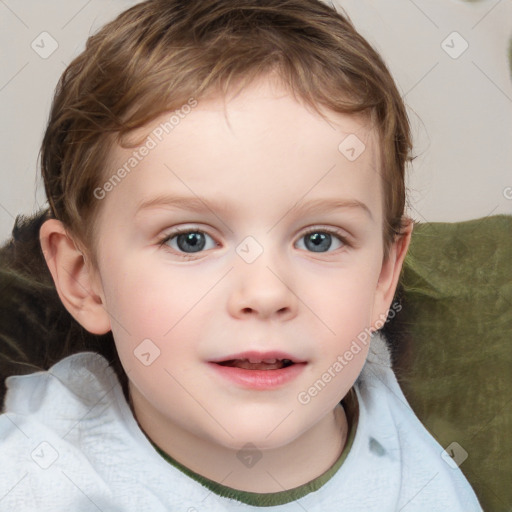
[188,256]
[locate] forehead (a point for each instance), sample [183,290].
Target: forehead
[261,149]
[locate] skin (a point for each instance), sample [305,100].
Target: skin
[262,155]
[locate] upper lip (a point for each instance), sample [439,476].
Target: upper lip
[256,356]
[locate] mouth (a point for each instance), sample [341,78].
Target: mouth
[267,364]
[256,360]
[259,370]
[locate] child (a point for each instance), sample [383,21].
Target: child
[270,137]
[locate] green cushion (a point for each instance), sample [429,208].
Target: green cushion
[455,357]
[450,342]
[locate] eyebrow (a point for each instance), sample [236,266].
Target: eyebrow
[197,204]
[322,205]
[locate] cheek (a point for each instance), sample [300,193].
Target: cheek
[148,300]
[346,296]
[161,304]
[343,309]
[154,326]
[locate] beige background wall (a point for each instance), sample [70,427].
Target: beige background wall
[449,58]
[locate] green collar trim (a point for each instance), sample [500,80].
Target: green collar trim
[278,498]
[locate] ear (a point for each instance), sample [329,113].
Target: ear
[72,277]
[390,273]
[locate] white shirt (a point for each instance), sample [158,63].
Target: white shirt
[69,442]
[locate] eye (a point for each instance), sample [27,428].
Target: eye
[189,242]
[321,240]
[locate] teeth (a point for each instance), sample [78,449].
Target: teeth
[245,364]
[258,364]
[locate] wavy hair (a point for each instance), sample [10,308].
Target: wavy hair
[150,60]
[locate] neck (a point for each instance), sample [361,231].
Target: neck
[310,455]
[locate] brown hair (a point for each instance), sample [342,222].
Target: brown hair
[152,59]
[160,53]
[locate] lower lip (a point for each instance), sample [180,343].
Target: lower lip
[259,379]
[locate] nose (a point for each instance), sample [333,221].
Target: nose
[262,289]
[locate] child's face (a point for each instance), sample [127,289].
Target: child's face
[258,284]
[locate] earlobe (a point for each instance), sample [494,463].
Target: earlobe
[72,278]
[389,276]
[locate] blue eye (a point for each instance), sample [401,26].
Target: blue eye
[187,242]
[320,240]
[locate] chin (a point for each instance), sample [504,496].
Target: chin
[263,436]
